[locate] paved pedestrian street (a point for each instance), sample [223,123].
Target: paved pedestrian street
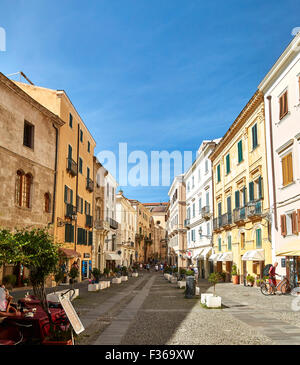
[149,310]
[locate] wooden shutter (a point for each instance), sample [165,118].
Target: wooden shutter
[294,223]
[298,215]
[283,225]
[283,105]
[284,170]
[290,167]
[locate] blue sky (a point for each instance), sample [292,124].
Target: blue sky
[157,74]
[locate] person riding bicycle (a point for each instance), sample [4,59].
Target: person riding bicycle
[272,277]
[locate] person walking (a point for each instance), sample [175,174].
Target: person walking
[156,267]
[148,267]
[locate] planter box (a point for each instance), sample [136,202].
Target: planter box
[116,281]
[102,285]
[213,302]
[181,284]
[135,274]
[93,287]
[53,297]
[235,279]
[204,296]
[124,278]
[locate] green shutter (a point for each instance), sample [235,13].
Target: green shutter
[81,206]
[88,173]
[258,238]
[66,194]
[219,173]
[245,196]
[251,191]
[229,243]
[72,233]
[254,136]
[240,151]
[67,233]
[71,196]
[219,243]
[237,199]
[227,164]
[90,238]
[70,152]
[260,195]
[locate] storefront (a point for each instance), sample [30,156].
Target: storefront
[226,264]
[86,266]
[291,251]
[252,262]
[112,260]
[67,258]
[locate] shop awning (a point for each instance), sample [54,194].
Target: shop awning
[69,252]
[254,255]
[205,253]
[196,253]
[112,257]
[226,256]
[214,257]
[291,248]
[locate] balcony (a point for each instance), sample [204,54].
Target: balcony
[254,209]
[226,219]
[89,220]
[71,167]
[217,223]
[101,225]
[239,215]
[113,224]
[70,211]
[89,184]
[205,212]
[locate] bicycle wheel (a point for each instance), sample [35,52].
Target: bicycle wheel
[264,289]
[285,289]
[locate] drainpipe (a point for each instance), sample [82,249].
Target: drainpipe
[272,162]
[55,173]
[75,233]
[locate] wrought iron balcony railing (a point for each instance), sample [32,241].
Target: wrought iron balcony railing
[89,184]
[70,211]
[113,224]
[71,166]
[254,208]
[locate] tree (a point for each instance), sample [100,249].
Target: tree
[214,279]
[36,250]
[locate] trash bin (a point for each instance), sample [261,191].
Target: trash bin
[190,287]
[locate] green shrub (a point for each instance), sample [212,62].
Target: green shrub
[214,278]
[234,270]
[74,272]
[96,274]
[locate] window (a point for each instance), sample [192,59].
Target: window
[87,208]
[193,235]
[89,146]
[68,197]
[200,205]
[81,136]
[207,198]
[228,163]
[47,202]
[229,243]
[69,232]
[194,210]
[71,120]
[208,229]
[254,137]
[218,173]
[258,238]
[242,240]
[79,205]
[219,244]
[240,151]
[251,191]
[237,199]
[80,165]
[28,137]
[287,169]
[23,189]
[188,213]
[283,105]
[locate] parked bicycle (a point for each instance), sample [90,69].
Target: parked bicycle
[283,287]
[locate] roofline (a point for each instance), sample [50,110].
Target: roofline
[288,52]
[12,85]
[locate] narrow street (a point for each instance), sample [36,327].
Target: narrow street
[149,310]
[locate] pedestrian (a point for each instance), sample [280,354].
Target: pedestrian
[272,278]
[156,267]
[148,267]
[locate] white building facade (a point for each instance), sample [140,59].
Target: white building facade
[199,209]
[281,88]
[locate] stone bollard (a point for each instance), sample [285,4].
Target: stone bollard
[190,287]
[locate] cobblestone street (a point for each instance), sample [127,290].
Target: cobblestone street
[149,310]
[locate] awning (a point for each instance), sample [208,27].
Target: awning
[69,252]
[205,253]
[291,248]
[254,255]
[214,257]
[196,253]
[226,256]
[112,256]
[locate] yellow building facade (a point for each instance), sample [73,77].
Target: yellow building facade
[241,226]
[73,225]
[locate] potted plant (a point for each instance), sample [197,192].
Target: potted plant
[211,300]
[106,272]
[96,274]
[74,272]
[222,276]
[235,276]
[250,279]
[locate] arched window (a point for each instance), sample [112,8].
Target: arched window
[47,202]
[19,187]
